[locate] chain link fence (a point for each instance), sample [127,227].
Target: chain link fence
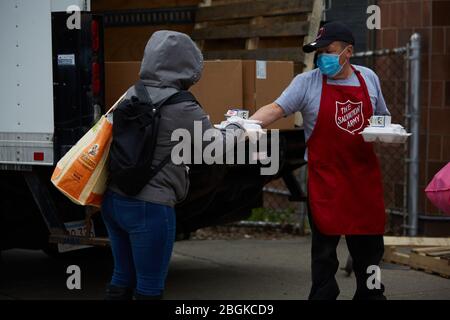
[277,207]
[392,68]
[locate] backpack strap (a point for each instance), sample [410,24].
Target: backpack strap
[181,96]
[160,166]
[142,93]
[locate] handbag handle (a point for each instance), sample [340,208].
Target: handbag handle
[116,104]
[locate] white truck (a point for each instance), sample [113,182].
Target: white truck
[52,92]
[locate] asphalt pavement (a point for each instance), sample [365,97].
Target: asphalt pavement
[207,269]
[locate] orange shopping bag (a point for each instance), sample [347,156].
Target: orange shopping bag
[82,173]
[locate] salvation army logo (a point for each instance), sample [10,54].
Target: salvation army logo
[349,116]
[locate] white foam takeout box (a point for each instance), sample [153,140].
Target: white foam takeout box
[381,129]
[252,127]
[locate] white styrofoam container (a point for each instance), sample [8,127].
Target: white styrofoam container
[392,133]
[385,137]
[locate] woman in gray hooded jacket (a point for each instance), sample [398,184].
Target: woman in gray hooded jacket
[142,228]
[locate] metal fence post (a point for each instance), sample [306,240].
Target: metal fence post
[413,186]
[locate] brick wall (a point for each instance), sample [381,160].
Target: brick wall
[430,18]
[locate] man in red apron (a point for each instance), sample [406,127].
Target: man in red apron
[344,179]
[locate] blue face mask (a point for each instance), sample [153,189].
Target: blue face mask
[329,63]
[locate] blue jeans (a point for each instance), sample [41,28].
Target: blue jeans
[142,236]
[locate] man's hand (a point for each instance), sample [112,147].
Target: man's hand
[268,114]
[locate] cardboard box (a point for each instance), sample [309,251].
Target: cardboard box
[119,77]
[220,88]
[243,84]
[225,84]
[264,82]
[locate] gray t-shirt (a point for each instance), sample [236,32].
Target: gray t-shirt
[305,91]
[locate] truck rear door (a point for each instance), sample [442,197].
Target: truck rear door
[51,82]
[26,83]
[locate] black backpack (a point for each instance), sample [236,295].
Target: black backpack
[135,132]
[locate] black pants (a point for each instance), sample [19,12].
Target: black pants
[365,250]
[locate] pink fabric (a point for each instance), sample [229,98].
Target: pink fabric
[438,191]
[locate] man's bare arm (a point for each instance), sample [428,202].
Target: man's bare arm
[268,114]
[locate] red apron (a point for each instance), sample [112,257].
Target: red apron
[344,178]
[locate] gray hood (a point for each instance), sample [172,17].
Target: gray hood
[172,62]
